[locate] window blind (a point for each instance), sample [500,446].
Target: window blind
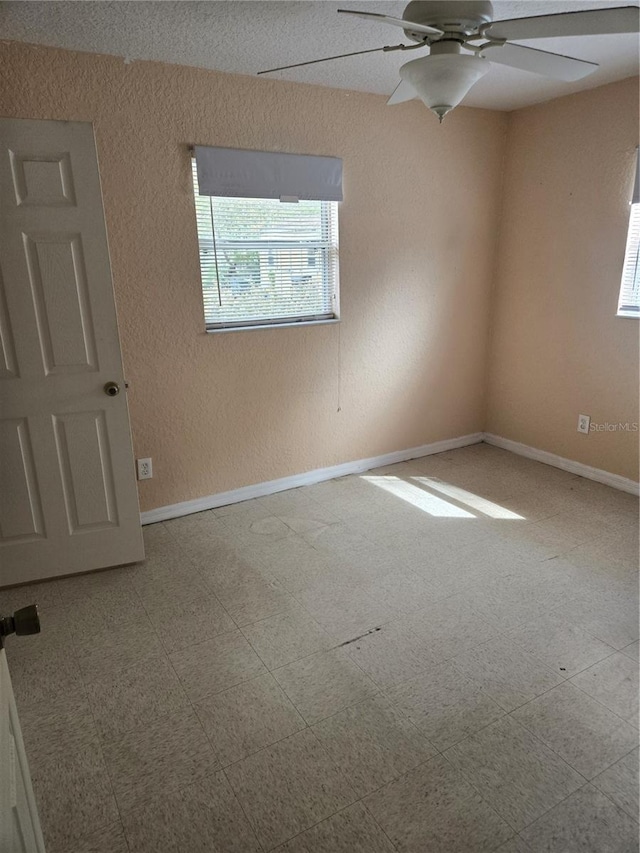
[238,173]
[629,303]
[266,262]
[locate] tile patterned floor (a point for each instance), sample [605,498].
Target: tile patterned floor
[440,655]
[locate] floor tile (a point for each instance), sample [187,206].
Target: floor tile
[324,683]
[43,677]
[308,519]
[450,572]
[67,732]
[74,796]
[107,650]
[253,598]
[372,743]
[571,529]
[43,594]
[620,783]
[336,538]
[292,562]
[110,839]
[515,845]
[107,621]
[225,567]
[517,774]
[373,570]
[156,759]
[105,582]
[251,509]
[588,736]
[614,683]
[340,495]
[248,717]
[391,655]
[433,808]
[287,502]
[562,646]
[632,650]
[169,574]
[507,673]
[445,705]
[202,818]
[612,619]
[157,538]
[286,637]
[286,788]
[189,526]
[185,620]
[615,550]
[248,532]
[139,694]
[216,664]
[587,822]
[343,612]
[403,590]
[449,627]
[513,600]
[352,830]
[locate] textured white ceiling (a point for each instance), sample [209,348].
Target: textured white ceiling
[245,37]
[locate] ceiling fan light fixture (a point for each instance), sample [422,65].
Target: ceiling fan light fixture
[441,81]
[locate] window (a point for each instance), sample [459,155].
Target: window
[629,301]
[266,262]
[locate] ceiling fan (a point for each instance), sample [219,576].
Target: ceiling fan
[462,37]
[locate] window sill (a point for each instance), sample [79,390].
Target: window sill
[294,325]
[632,314]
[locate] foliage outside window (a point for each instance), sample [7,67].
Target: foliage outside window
[266,262]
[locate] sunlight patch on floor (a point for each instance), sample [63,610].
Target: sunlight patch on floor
[471,500]
[418,497]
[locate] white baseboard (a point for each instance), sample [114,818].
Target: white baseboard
[259,490]
[597,474]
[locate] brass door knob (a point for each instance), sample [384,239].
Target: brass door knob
[111,389]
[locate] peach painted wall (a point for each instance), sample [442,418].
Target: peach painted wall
[407,364]
[558,348]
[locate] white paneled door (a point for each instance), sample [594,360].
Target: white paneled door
[19,824]
[68,498]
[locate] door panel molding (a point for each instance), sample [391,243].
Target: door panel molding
[86,470]
[21,514]
[9,365]
[78,506]
[44,180]
[60,294]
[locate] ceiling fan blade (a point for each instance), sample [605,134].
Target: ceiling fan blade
[329,58]
[553,65]
[620,19]
[404,91]
[397,22]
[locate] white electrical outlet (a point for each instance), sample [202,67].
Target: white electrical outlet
[583,424]
[145,469]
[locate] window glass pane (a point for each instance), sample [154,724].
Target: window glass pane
[629,302]
[266,261]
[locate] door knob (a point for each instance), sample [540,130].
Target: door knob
[23,621]
[111,389]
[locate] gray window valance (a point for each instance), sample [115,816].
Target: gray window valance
[266,174]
